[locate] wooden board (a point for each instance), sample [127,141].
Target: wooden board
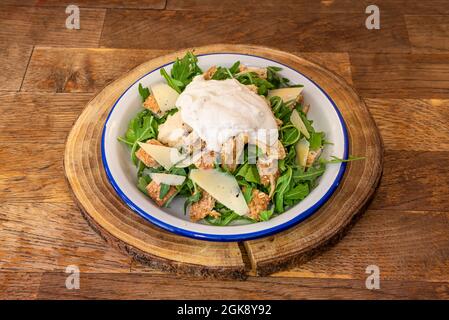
[127,231]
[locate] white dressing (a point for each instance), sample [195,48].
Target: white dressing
[218,110]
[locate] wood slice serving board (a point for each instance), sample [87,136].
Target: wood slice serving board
[133,235]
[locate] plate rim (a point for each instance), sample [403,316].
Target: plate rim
[224,237]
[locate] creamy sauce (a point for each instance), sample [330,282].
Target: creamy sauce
[217,110]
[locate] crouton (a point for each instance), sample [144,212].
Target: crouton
[312,156]
[209,73]
[202,208]
[145,157]
[207,160]
[261,72]
[259,202]
[150,103]
[154,189]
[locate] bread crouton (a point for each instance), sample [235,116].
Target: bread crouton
[259,202]
[261,72]
[150,103]
[209,73]
[145,157]
[154,189]
[202,208]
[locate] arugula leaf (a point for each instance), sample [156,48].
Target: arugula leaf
[165,188]
[182,72]
[281,187]
[142,183]
[275,79]
[249,173]
[311,174]
[141,128]
[143,92]
[338,160]
[316,140]
[297,193]
[248,194]
[265,215]
[290,135]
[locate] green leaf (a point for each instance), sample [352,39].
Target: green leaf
[338,160]
[142,183]
[248,194]
[311,174]
[165,188]
[144,92]
[297,193]
[249,173]
[316,140]
[290,135]
[281,187]
[265,215]
[182,72]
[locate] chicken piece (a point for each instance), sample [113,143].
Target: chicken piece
[145,157]
[259,202]
[276,151]
[312,156]
[261,72]
[232,150]
[154,189]
[202,208]
[207,160]
[150,103]
[252,87]
[268,172]
[210,73]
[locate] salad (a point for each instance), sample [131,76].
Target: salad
[234,142]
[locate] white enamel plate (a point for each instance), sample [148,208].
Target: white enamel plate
[122,173]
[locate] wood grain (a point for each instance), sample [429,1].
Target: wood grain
[46,26]
[401,75]
[301,6]
[91,69]
[411,124]
[312,32]
[88,70]
[428,33]
[14,59]
[405,245]
[106,286]
[38,237]
[49,116]
[414,180]
[133,4]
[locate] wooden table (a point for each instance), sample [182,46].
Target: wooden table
[48,74]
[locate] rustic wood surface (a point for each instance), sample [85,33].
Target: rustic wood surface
[400,71]
[121,227]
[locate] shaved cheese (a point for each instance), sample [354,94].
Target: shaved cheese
[172,130]
[299,124]
[302,151]
[223,187]
[165,96]
[165,156]
[286,94]
[165,178]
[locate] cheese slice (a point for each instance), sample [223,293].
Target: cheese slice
[165,96]
[286,94]
[165,156]
[299,124]
[165,178]
[223,187]
[302,151]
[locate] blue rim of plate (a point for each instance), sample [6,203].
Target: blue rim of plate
[224,237]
